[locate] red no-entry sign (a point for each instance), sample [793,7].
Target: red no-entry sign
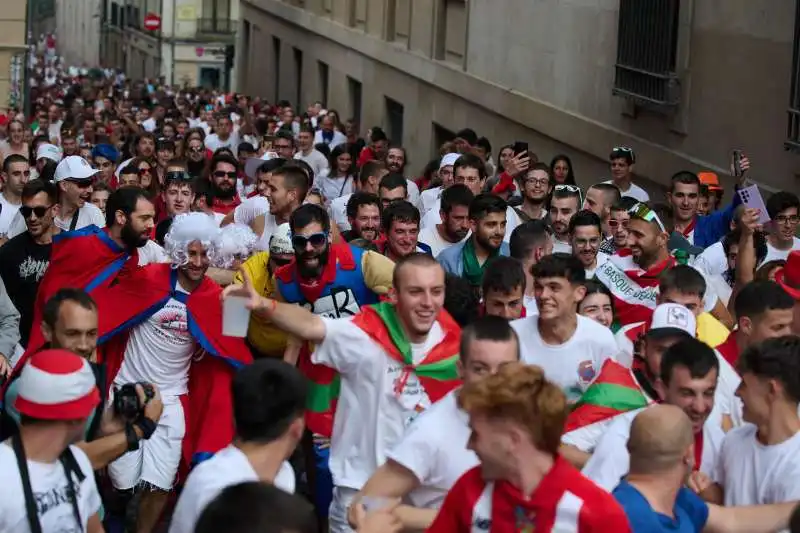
[152,22]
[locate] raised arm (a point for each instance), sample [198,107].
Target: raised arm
[749,519]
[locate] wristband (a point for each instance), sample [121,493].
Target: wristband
[130,436]
[147,426]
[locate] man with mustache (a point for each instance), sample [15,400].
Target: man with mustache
[333,281]
[564,203]
[364,215]
[454,227]
[223,175]
[153,324]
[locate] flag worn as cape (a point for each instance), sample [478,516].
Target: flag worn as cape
[438,372]
[208,408]
[88,259]
[615,391]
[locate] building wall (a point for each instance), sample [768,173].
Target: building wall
[78,25]
[544,74]
[12,42]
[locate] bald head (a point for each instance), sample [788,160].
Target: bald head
[659,438]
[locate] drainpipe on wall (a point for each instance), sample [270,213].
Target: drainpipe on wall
[26,85]
[172,55]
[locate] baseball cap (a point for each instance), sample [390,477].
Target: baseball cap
[449,160]
[672,319]
[74,167]
[710,180]
[252,164]
[57,385]
[281,240]
[48,151]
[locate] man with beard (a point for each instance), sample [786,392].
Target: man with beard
[396,164]
[393,188]
[455,220]
[530,242]
[468,259]
[327,135]
[632,274]
[223,175]
[618,220]
[24,259]
[409,347]
[152,323]
[600,197]
[93,258]
[285,189]
[400,225]
[536,186]
[369,178]
[364,215]
[702,231]
[332,280]
[73,178]
[585,235]
[564,203]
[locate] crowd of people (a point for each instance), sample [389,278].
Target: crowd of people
[476,344]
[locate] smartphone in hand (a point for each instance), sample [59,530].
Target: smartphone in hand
[520,147]
[736,157]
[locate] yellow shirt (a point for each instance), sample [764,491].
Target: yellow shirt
[710,330]
[263,336]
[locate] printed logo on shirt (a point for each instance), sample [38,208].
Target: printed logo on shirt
[341,303]
[33,268]
[58,500]
[525,520]
[171,323]
[586,371]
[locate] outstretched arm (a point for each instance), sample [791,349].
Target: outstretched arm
[290,318]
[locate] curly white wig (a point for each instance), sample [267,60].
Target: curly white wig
[236,242]
[185,230]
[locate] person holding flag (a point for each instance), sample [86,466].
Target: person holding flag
[395,360]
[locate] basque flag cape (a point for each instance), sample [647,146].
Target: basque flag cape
[88,259]
[438,372]
[615,391]
[208,407]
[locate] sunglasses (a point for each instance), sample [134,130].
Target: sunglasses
[571,189]
[196,149]
[39,211]
[222,174]
[643,212]
[177,175]
[623,151]
[612,223]
[143,171]
[315,239]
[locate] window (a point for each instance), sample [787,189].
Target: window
[793,134]
[298,77]
[354,90]
[451,31]
[358,14]
[276,64]
[394,120]
[323,81]
[398,21]
[647,45]
[115,18]
[441,135]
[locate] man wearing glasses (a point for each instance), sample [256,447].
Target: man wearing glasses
[73,177]
[536,186]
[224,175]
[783,209]
[618,225]
[622,161]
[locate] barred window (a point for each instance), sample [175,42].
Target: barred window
[793,131]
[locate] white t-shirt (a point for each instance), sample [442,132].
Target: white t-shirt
[149,125]
[433,238]
[332,188]
[250,208]
[634,191]
[434,217]
[773,254]
[152,252]
[601,258]
[159,350]
[368,380]
[50,490]
[610,460]
[530,305]
[434,448]
[561,247]
[754,474]
[228,467]
[214,143]
[338,212]
[88,215]
[572,365]
[713,260]
[315,160]
[7,213]
[428,199]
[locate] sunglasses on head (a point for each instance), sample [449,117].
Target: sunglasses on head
[643,212]
[222,174]
[39,211]
[315,239]
[623,151]
[572,189]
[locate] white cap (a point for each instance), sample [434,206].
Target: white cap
[671,319]
[48,151]
[74,167]
[281,240]
[253,163]
[449,160]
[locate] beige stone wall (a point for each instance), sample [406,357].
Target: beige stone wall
[541,71]
[12,41]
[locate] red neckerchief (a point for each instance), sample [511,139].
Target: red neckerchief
[698,450]
[652,272]
[218,206]
[690,227]
[311,289]
[252,194]
[730,349]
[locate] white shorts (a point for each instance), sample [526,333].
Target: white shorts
[157,459]
[337,513]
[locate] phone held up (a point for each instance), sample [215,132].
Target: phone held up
[520,148]
[736,157]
